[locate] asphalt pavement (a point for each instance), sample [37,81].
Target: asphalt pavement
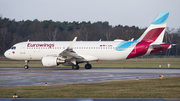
[56,76]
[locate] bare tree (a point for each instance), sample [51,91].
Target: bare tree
[16,38]
[127,33]
[108,35]
[170,37]
[86,36]
[166,40]
[4,32]
[49,35]
[52,36]
[78,34]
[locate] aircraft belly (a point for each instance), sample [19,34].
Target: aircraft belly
[105,55]
[113,56]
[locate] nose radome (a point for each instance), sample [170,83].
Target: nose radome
[6,54]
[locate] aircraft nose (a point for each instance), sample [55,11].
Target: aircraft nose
[6,54]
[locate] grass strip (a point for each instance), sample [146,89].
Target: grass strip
[131,63]
[145,88]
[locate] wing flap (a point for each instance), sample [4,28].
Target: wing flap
[70,53]
[89,58]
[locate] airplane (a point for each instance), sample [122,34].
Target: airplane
[71,53]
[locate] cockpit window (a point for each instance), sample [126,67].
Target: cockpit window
[13,47]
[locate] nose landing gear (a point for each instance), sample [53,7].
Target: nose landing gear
[26,65]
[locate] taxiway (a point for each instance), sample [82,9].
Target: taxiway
[55,76]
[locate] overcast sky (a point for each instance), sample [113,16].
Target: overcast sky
[124,12]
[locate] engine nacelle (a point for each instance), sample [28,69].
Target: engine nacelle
[51,61]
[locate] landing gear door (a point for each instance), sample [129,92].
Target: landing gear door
[22,50]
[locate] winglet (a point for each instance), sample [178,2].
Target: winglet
[72,43]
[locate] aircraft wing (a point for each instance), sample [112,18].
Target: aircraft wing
[70,54]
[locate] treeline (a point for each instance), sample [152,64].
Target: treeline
[12,32]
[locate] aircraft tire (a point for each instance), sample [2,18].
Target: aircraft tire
[75,67]
[88,66]
[26,67]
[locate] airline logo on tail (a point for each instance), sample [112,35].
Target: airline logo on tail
[153,35]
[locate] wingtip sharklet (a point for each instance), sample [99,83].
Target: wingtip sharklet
[72,43]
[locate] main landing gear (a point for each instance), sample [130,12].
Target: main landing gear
[75,67]
[26,65]
[87,66]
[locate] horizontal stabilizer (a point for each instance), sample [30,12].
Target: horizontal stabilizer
[162,45]
[155,46]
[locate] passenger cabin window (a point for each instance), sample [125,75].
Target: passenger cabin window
[13,47]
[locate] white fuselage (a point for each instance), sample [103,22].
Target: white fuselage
[35,50]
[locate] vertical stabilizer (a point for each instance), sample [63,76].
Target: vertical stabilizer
[155,32]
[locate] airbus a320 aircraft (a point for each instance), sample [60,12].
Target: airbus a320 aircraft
[53,53]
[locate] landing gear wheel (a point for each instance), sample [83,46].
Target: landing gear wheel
[88,66]
[75,67]
[26,67]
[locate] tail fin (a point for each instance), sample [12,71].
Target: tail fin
[155,32]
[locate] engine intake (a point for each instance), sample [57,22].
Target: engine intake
[51,61]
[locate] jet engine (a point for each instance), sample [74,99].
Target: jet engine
[51,61]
